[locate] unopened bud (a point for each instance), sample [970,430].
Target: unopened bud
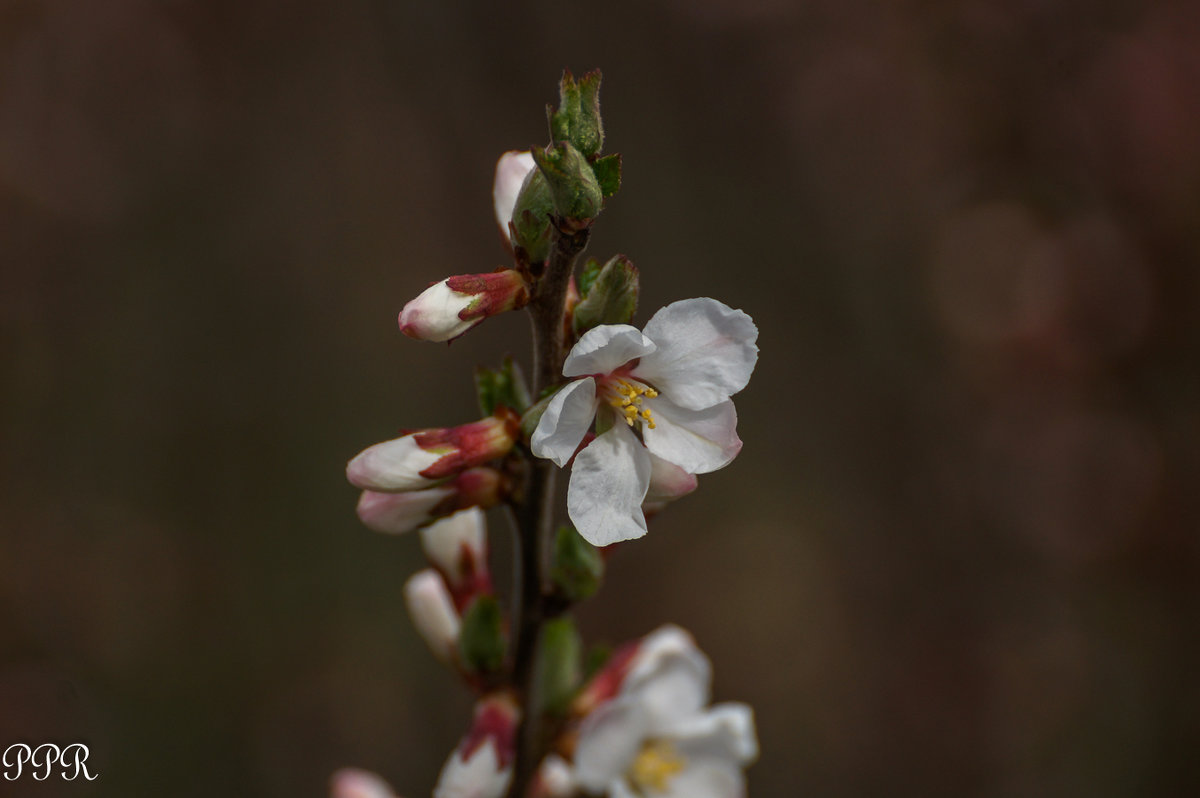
[610,297]
[395,513]
[457,547]
[576,193]
[448,309]
[433,613]
[511,171]
[577,118]
[354,783]
[421,460]
[481,766]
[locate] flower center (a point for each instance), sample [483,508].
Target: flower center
[656,764]
[626,397]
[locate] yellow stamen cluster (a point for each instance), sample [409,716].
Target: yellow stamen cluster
[656,764]
[629,402]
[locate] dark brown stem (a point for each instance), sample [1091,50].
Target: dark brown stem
[535,510]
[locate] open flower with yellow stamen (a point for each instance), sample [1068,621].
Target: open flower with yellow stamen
[671,384]
[652,735]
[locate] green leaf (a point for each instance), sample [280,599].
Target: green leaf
[501,387]
[578,566]
[572,184]
[608,174]
[481,640]
[577,119]
[561,665]
[611,298]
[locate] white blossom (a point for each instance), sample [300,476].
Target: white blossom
[657,738]
[671,382]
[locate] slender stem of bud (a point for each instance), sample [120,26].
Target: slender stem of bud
[535,512]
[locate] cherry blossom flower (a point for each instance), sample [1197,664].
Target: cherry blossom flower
[671,382]
[651,734]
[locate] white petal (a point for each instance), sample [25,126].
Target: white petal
[620,789]
[394,465]
[432,612]
[511,170]
[608,482]
[603,349]
[609,740]
[698,441]
[478,777]
[355,783]
[668,481]
[670,678]
[394,513]
[706,352]
[705,779]
[565,422]
[725,731]
[443,541]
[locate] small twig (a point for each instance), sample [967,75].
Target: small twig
[535,509]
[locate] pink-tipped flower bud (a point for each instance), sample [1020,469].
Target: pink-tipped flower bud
[432,610]
[395,513]
[448,309]
[457,547]
[355,783]
[481,766]
[423,459]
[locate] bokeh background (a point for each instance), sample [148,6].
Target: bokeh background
[958,555]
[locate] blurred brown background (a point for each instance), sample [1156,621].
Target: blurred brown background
[958,555]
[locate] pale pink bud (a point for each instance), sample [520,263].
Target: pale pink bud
[433,613]
[421,460]
[511,171]
[481,766]
[448,309]
[395,513]
[354,783]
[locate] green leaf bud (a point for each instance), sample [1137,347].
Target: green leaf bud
[561,663]
[501,387]
[578,566]
[577,119]
[531,217]
[576,194]
[611,297]
[481,641]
